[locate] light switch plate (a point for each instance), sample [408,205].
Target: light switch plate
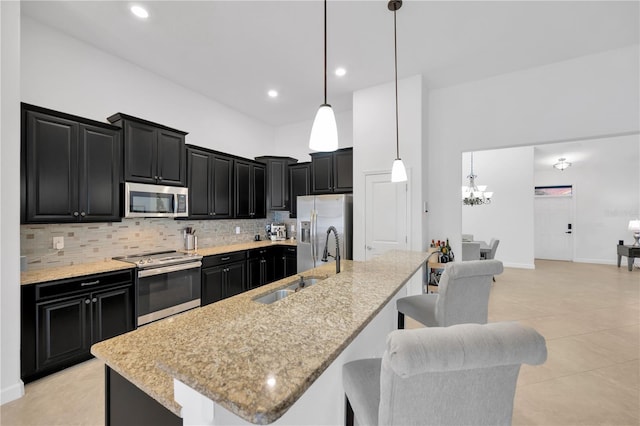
[58,243]
[237,229]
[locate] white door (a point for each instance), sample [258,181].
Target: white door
[553,228]
[385,215]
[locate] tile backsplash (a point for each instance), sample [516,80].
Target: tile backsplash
[91,242]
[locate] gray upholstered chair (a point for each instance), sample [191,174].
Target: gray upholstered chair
[467,237]
[470,251]
[465,374]
[463,296]
[493,244]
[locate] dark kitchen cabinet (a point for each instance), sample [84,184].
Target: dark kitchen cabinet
[70,169]
[210,182]
[285,262]
[153,153]
[250,188]
[62,319]
[278,197]
[260,266]
[223,276]
[299,184]
[332,172]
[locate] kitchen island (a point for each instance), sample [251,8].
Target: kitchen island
[239,361]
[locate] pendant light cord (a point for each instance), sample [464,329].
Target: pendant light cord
[395,50]
[325,52]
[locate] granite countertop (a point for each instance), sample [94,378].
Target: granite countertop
[72,271]
[228,350]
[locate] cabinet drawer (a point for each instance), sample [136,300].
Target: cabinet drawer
[261,252]
[290,250]
[81,284]
[221,259]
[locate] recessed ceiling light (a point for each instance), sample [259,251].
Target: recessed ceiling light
[340,72]
[272,93]
[140,12]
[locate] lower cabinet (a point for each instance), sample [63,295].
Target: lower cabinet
[62,319]
[223,276]
[286,262]
[261,266]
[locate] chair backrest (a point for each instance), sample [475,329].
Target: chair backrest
[467,237]
[463,292]
[470,251]
[493,244]
[460,375]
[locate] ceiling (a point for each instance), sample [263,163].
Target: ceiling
[234,51]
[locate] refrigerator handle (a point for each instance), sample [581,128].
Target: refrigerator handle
[314,220]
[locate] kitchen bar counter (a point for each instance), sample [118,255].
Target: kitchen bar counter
[257,360]
[72,271]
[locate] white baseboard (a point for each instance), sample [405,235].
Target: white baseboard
[519,265]
[12,392]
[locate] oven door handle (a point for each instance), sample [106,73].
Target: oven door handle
[168,269]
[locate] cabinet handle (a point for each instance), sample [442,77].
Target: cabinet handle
[83,214]
[75,214]
[226,258]
[90,283]
[87,301]
[155,177]
[210,214]
[94,300]
[214,213]
[160,177]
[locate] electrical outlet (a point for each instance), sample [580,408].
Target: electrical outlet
[58,243]
[237,229]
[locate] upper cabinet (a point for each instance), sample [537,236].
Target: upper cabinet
[153,153]
[332,172]
[210,182]
[250,199]
[70,169]
[277,181]
[299,184]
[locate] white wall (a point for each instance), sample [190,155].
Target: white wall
[374,142]
[606,182]
[508,173]
[595,95]
[293,140]
[11,385]
[65,74]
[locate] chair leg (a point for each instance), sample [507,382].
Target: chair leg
[348,412]
[400,320]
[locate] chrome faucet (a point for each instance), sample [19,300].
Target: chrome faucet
[325,253]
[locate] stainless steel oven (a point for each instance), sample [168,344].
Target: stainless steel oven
[167,283]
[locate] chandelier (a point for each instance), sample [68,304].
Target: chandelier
[562,164]
[474,195]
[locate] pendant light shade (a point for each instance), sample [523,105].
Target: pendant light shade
[324,131]
[398,172]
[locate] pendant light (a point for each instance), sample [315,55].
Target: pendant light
[398,172]
[324,132]
[475,195]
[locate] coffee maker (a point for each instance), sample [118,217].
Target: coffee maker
[278,232]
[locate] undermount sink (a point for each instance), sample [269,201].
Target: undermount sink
[297,285]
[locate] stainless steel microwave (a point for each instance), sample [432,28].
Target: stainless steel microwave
[143,200]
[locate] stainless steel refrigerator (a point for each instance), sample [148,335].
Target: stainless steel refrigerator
[316,213]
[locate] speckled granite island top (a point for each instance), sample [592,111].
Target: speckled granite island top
[256,360]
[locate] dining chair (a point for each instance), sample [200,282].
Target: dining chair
[463,296]
[465,374]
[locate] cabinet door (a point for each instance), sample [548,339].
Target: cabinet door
[222,187]
[199,183]
[322,173]
[171,158]
[236,278]
[99,174]
[343,171]
[243,189]
[290,261]
[299,184]
[51,154]
[213,283]
[254,272]
[140,152]
[259,188]
[63,330]
[112,312]
[278,191]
